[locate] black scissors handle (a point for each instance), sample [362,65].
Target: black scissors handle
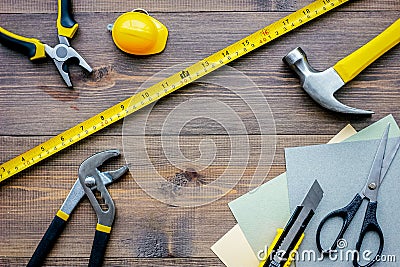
[370,224]
[346,214]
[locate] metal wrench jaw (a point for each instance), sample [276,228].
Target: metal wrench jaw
[77,192]
[90,176]
[90,166]
[111,176]
[104,217]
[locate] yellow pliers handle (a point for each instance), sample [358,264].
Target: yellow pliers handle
[66,25]
[31,47]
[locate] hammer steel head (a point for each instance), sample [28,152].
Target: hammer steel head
[321,86]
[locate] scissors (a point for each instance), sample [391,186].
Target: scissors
[382,161]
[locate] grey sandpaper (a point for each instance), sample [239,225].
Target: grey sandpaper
[342,170]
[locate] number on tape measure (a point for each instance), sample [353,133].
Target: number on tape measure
[167,86]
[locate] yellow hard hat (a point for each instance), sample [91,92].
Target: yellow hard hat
[138,33]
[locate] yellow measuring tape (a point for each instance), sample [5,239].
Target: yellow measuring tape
[167,86]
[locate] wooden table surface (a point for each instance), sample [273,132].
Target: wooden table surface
[35,105]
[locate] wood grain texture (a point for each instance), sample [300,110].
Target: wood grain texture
[35,105]
[117,76]
[138,230]
[182,6]
[167,262]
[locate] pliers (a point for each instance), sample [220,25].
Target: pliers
[90,179]
[62,54]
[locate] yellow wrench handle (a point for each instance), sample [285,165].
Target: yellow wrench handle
[66,25]
[350,66]
[31,47]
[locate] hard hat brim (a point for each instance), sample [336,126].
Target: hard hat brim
[162,37]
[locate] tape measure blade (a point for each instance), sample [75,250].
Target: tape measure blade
[76,133]
[167,86]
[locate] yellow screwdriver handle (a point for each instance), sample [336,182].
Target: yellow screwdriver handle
[350,66]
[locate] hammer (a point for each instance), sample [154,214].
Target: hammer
[321,86]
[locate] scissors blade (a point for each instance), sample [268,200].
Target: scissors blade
[370,189]
[389,157]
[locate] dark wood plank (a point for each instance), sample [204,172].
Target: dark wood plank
[34,105]
[39,89]
[74,155]
[140,262]
[181,6]
[141,221]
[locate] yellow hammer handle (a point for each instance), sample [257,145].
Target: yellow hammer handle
[350,66]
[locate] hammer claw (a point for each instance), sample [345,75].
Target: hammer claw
[333,104]
[320,85]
